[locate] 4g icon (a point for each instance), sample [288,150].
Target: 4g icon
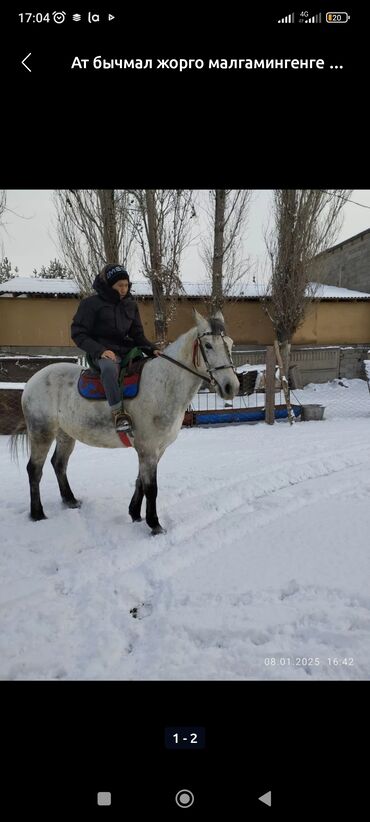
[304,17]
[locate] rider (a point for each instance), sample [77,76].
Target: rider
[107,326]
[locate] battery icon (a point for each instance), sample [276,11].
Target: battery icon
[337,17]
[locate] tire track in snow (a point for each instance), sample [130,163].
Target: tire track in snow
[192,524]
[196,525]
[162,568]
[163,556]
[251,475]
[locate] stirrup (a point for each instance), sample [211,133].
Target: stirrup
[122,421]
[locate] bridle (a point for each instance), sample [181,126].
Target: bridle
[198,344]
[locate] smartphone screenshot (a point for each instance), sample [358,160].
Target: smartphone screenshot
[184,411]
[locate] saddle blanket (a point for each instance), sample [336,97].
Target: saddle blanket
[91,387]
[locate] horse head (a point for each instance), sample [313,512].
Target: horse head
[214,354]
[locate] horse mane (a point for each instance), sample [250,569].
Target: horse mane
[216,327]
[177,344]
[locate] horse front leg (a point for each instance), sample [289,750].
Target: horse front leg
[148,474]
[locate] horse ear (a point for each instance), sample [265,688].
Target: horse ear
[219,316]
[200,321]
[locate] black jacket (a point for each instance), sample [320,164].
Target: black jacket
[105,322]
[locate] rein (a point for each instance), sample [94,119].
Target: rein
[211,380]
[186,367]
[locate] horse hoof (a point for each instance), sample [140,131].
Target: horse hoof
[38,517]
[136,519]
[158,530]
[74,503]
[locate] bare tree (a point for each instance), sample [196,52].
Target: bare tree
[160,223]
[92,231]
[3,208]
[6,272]
[2,201]
[108,213]
[305,222]
[222,249]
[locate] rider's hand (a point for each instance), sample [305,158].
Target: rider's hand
[156,352]
[108,355]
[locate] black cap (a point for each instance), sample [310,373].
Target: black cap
[115,273]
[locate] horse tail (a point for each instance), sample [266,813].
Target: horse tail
[19,436]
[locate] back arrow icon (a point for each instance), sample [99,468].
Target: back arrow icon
[24,61]
[266,798]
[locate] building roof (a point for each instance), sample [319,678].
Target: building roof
[142,288]
[332,292]
[359,236]
[254,291]
[38,285]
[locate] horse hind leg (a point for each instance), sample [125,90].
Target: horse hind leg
[40,443]
[134,508]
[148,474]
[63,450]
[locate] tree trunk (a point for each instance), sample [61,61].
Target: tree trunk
[218,250]
[284,381]
[270,385]
[108,211]
[159,303]
[285,355]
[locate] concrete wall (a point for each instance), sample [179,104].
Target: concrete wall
[346,265]
[315,364]
[42,323]
[335,322]
[351,364]
[331,322]
[36,322]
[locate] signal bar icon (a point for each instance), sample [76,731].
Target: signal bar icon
[288,19]
[315,19]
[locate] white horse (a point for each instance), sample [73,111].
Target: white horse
[54,410]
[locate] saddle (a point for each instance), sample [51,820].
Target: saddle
[91,387]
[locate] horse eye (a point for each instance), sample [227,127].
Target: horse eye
[208,345]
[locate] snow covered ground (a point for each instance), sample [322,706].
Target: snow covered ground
[264,572]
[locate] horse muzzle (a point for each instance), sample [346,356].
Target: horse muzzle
[228,387]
